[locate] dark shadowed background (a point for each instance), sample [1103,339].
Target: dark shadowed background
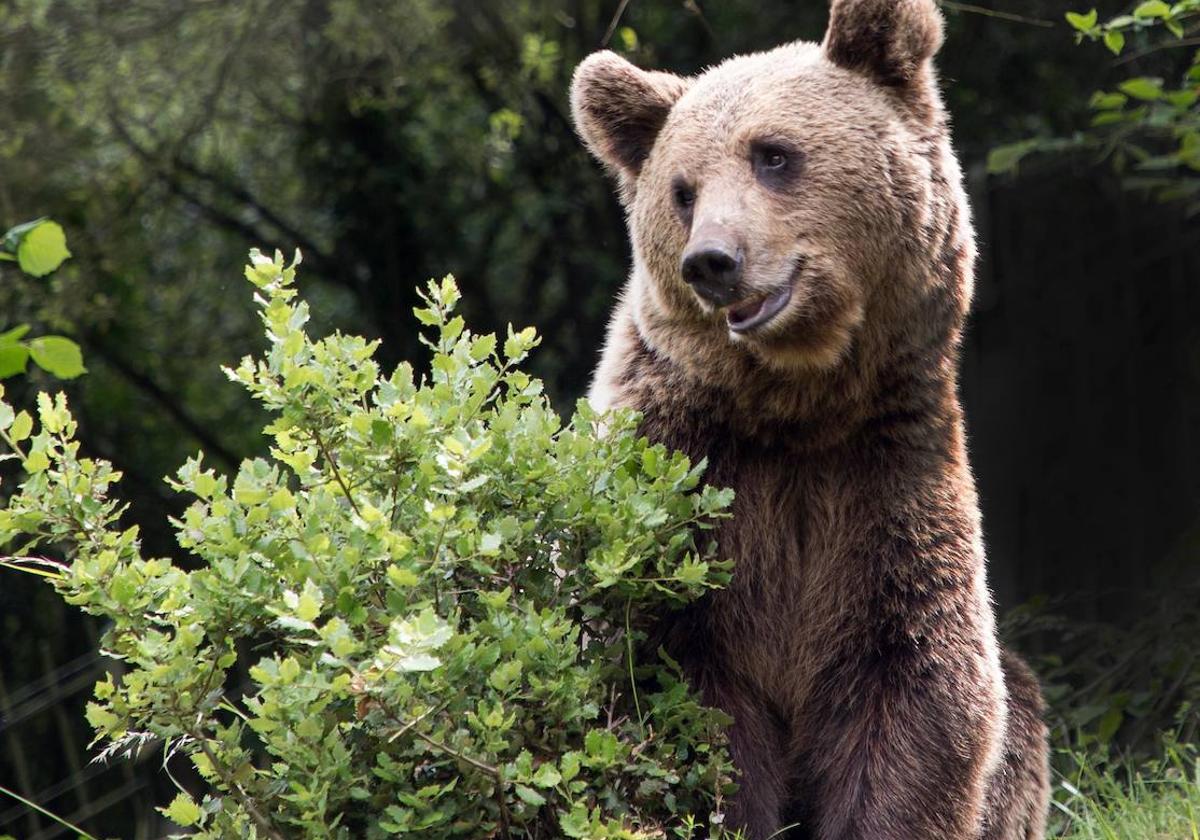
[396,141]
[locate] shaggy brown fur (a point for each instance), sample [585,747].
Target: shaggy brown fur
[855,648]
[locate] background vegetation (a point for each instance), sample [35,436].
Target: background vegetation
[398,141]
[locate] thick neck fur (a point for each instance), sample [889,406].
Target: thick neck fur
[898,384]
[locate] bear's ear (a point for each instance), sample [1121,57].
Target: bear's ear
[890,40]
[619,109]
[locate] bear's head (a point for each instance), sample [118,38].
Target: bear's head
[788,205]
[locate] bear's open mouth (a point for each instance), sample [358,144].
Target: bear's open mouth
[748,315]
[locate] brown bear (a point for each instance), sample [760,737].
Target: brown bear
[803,259]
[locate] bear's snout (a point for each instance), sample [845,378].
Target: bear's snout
[713,268]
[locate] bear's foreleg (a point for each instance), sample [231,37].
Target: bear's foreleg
[907,761]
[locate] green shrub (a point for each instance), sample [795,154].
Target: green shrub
[420,615]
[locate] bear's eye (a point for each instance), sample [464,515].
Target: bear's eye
[683,195]
[774,159]
[774,164]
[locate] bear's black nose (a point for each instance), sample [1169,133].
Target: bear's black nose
[714,271]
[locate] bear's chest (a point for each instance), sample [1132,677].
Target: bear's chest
[792,540]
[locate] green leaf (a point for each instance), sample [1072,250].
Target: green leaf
[426,316]
[629,39]
[447,294]
[1102,101]
[381,432]
[101,718]
[402,578]
[1143,87]
[21,427]
[204,485]
[1114,39]
[505,676]
[14,335]
[1084,23]
[308,606]
[36,462]
[575,824]
[519,343]
[601,746]
[58,356]
[483,347]
[692,572]
[42,249]
[1152,9]
[124,587]
[13,360]
[529,795]
[289,670]
[547,776]
[183,811]
[1004,159]
[570,766]
[1183,99]
[489,544]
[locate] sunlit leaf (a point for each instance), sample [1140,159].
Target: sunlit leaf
[1152,9]
[13,359]
[42,249]
[1143,88]
[183,811]
[57,355]
[1083,22]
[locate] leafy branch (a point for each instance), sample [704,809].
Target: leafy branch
[1147,127]
[38,248]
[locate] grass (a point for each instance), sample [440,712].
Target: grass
[1160,801]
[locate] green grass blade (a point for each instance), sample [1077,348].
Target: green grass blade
[49,814]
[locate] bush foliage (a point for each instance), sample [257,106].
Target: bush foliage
[424,614]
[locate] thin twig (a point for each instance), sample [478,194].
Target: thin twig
[694,7]
[1009,16]
[406,727]
[446,748]
[1166,45]
[234,788]
[612,24]
[337,475]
